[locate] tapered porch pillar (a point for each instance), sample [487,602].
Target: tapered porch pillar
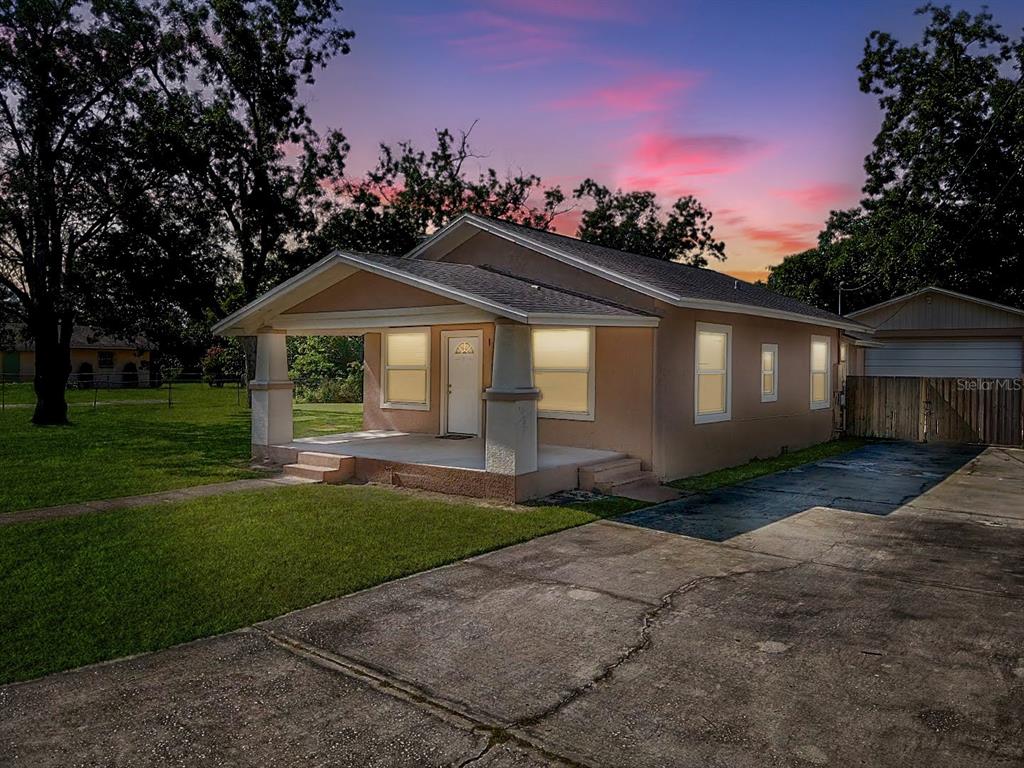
[511,437]
[271,394]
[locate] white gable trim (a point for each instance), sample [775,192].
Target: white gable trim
[260,312]
[468,219]
[941,292]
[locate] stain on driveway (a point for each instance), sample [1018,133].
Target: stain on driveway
[826,636]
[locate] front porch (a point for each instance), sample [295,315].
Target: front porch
[446,465]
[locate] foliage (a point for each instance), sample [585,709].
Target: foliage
[412,192]
[78,173]
[326,369]
[944,195]
[222,362]
[633,222]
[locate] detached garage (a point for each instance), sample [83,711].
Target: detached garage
[939,333]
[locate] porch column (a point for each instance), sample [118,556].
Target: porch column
[271,394]
[511,437]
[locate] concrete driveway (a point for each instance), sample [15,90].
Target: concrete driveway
[868,610]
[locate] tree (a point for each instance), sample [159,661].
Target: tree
[633,222]
[944,197]
[248,142]
[411,193]
[72,163]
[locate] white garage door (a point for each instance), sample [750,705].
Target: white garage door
[968,358]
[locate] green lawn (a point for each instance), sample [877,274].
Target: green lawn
[95,587]
[123,450]
[759,467]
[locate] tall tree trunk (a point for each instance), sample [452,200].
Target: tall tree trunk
[53,366]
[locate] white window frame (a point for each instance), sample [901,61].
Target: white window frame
[709,418]
[769,397]
[591,373]
[385,367]
[817,405]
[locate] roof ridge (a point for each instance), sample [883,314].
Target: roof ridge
[566,291]
[589,244]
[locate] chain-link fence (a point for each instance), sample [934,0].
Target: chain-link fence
[148,388]
[130,388]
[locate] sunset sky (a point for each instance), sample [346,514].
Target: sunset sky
[751,106]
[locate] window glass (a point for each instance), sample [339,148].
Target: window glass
[712,373]
[769,372]
[820,385]
[406,368]
[562,370]
[407,348]
[712,351]
[407,386]
[711,393]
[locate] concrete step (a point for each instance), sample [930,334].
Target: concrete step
[611,487]
[318,459]
[616,470]
[321,474]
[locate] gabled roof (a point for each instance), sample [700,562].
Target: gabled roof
[674,283]
[933,289]
[494,292]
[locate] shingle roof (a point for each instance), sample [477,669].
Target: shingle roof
[679,280]
[499,288]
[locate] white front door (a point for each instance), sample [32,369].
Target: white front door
[463,406]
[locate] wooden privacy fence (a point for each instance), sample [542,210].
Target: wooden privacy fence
[989,411]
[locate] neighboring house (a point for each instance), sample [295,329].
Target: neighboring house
[524,338]
[96,360]
[934,332]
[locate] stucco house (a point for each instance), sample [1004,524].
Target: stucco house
[96,359]
[546,362]
[936,332]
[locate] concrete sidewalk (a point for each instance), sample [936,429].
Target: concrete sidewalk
[827,636]
[124,502]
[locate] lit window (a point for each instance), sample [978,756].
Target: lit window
[406,369]
[563,371]
[821,387]
[769,373]
[713,377]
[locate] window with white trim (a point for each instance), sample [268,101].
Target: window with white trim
[563,371]
[713,373]
[769,373]
[821,384]
[405,367]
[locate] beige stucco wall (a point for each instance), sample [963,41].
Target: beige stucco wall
[756,429]
[91,356]
[406,420]
[364,290]
[623,402]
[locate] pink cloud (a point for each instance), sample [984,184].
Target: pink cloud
[567,223]
[578,10]
[661,154]
[815,197]
[642,93]
[783,238]
[504,41]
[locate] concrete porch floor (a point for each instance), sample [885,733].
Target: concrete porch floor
[432,451]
